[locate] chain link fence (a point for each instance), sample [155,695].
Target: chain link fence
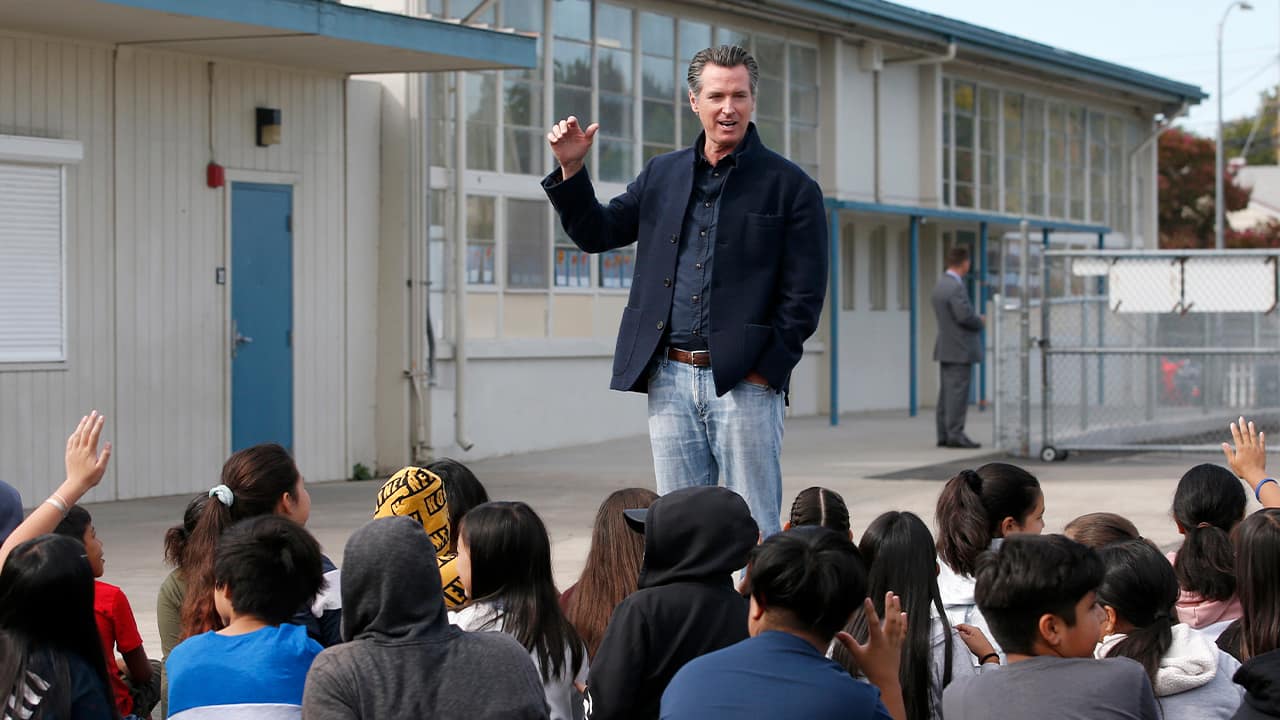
[1119,350]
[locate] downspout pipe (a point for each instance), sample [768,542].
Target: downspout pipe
[460,435]
[947,56]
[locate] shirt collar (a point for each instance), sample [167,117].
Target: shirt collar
[956,276]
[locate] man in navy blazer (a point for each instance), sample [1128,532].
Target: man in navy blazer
[730,277]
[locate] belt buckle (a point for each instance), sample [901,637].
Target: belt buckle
[693,356]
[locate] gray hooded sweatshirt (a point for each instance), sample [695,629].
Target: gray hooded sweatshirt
[402,658]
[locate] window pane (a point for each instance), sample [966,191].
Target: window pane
[615,116]
[729,36]
[573,267]
[482,97]
[616,268]
[573,64]
[615,70]
[482,146]
[571,101]
[572,19]
[964,131]
[657,34]
[523,103]
[659,122]
[613,26]
[964,166]
[480,260]
[848,268]
[963,96]
[527,244]
[877,270]
[1012,185]
[694,36]
[651,151]
[524,151]
[33,322]
[522,15]
[615,160]
[769,99]
[691,126]
[804,144]
[904,270]
[770,55]
[804,64]
[804,103]
[659,78]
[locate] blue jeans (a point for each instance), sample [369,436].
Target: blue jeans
[698,437]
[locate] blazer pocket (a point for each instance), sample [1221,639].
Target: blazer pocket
[764,220]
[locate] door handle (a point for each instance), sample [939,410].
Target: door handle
[237,339]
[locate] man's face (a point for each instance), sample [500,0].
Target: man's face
[725,104]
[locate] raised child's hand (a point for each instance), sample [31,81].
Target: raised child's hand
[1248,459]
[880,657]
[85,463]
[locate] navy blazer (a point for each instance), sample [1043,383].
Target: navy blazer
[769,278]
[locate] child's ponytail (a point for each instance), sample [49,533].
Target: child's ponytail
[1207,505]
[176,537]
[1139,586]
[198,612]
[974,504]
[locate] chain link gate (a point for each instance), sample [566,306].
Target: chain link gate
[1126,350]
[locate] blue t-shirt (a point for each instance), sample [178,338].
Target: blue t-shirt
[774,674]
[261,673]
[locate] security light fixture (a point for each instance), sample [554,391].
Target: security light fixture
[269,126]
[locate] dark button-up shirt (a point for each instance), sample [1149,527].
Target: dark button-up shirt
[690,321]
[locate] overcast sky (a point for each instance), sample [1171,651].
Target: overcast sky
[1172,38]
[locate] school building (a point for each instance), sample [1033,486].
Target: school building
[386,282]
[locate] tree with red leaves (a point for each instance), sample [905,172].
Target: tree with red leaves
[1185,176]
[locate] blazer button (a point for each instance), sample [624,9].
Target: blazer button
[674,239]
[661,324]
[666,282]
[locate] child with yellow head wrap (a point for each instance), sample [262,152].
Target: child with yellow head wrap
[419,493]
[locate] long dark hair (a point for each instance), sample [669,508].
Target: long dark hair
[974,504]
[612,570]
[176,537]
[1208,503]
[1140,586]
[462,491]
[898,550]
[1257,557]
[46,606]
[259,477]
[820,506]
[511,566]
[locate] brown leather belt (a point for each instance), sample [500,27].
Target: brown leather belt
[696,358]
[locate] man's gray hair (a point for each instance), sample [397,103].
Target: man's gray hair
[728,56]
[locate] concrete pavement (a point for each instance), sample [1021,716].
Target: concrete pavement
[566,486]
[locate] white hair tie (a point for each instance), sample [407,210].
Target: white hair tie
[223,493]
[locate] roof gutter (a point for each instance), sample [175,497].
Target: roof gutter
[946,57]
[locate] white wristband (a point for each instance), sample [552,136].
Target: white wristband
[57,503]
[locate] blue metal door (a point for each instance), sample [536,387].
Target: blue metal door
[261,315]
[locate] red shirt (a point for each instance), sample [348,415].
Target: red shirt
[119,631]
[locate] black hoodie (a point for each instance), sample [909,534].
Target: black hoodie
[402,658]
[1260,677]
[686,605]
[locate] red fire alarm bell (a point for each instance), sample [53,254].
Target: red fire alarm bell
[217,175]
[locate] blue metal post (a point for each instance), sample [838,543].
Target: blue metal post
[833,313]
[913,404]
[982,304]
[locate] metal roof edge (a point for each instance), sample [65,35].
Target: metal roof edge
[328,18]
[891,17]
[964,215]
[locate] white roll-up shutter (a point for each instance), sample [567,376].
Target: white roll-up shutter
[32,316]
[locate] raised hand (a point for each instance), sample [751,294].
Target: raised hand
[880,657]
[1248,460]
[570,144]
[85,462]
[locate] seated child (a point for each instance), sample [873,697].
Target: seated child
[1039,596]
[266,567]
[694,540]
[135,687]
[1208,504]
[805,584]
[1100,529]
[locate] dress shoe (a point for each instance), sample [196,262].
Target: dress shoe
[964,443]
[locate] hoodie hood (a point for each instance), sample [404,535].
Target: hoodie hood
[1260,677]
[390,584]
[696,534]
[1190,662]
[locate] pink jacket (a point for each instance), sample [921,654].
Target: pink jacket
[1200,613]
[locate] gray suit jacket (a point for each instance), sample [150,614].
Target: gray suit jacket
[959,327]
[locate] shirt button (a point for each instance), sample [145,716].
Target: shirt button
[666,282]
[695,298]
[715,174]
[706,204]
[703,233]
[698,266]
[661,324]
[695,332]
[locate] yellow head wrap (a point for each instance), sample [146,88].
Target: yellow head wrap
[418,493]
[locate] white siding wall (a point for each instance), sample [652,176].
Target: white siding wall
[63,90]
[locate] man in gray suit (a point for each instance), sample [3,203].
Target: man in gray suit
[958,347]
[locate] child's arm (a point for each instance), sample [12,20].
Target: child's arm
[85,466]
[139,667]
[881,657]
